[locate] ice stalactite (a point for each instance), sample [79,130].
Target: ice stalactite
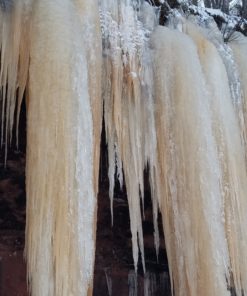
[212,33]
[91,35]
[188,170]
[231,155]
[60,184]
[108,282]
[239,47]
[63,134]
[128,105]
[14,55]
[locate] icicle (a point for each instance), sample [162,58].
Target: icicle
[212,33]
[234,81]
[108,282]
[239,46]
[14,55]
[231,156]
[60,176]
[128,105]
[91,35]
[188,171]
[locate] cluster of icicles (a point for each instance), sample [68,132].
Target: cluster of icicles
[175,101]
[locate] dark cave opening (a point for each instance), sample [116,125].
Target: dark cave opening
[114,268]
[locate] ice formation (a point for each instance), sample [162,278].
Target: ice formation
[63,87]
[174,102]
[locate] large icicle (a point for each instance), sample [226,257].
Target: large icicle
[91,35]
[61,197]
[212,33]
[231,155]
[188,170]
[239,47]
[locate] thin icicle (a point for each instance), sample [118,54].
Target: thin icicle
[108,282]
[14,55]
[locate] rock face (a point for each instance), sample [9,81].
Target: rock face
[12,225]
[12,266]
[114,270]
